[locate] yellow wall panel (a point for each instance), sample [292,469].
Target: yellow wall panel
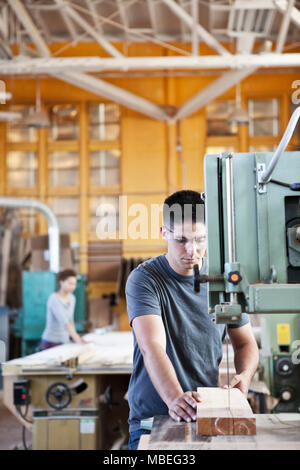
[143,154]
[141,223]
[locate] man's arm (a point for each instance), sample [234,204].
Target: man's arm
[246,356]
[150,334]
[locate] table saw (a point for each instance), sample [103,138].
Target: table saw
[72,396]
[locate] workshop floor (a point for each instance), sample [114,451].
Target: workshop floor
[11,430]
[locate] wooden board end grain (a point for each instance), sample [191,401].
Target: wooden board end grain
[217,415]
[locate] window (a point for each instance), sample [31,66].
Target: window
[66,210]
[105,167]
[17,131]
[64,122]
[217,113]
[263,117]
[104,121]
[21,169]
[63,169]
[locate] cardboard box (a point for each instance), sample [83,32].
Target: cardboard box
[104,261]
[40,252]
[99,313]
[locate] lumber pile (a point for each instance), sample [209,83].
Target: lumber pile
[217,414]
[101,350]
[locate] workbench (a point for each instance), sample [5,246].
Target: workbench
[274,432]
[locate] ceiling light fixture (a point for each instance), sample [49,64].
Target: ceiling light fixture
[239,116]
[38,118]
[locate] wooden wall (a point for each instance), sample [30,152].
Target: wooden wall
[150,161]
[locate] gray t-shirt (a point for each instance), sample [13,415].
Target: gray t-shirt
[59,313]
[194,340]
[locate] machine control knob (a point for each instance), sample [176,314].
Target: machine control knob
[234,277]
[287,394]
[284,366]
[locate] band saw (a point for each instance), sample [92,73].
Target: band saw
[253,233]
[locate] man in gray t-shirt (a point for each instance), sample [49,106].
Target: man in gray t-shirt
[177,345]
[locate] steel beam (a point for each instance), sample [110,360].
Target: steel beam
[69,24]
[5,50]
[30,27]
[203,34]
[284,26]
[88,28]
[123,16]
[195,16]
[152,14]
[107,90]
[4,23]
[215,89]
[92,8]
[29,66]
[281,5]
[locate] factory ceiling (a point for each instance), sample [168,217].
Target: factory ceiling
[242,35]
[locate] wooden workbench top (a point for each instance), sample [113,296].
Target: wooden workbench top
[274,432]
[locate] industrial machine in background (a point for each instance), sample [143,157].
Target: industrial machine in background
[253,224]
[280,343]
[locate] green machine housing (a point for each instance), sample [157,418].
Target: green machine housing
[253,233]
[37,286]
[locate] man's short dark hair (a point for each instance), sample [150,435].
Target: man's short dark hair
[183,206]
[65,274]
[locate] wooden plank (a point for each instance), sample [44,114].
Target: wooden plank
[217,415]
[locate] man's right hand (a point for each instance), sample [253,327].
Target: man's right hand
[184,407]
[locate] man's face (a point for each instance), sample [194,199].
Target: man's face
[186,245]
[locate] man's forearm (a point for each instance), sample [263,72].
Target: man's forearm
[246,359]
[162,374]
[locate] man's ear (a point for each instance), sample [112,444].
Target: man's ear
[163,233]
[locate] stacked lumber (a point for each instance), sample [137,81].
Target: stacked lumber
[219,413]
[101,350]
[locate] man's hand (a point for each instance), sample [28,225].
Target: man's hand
[184,407]
[241,381]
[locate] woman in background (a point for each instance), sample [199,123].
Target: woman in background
[60,313]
